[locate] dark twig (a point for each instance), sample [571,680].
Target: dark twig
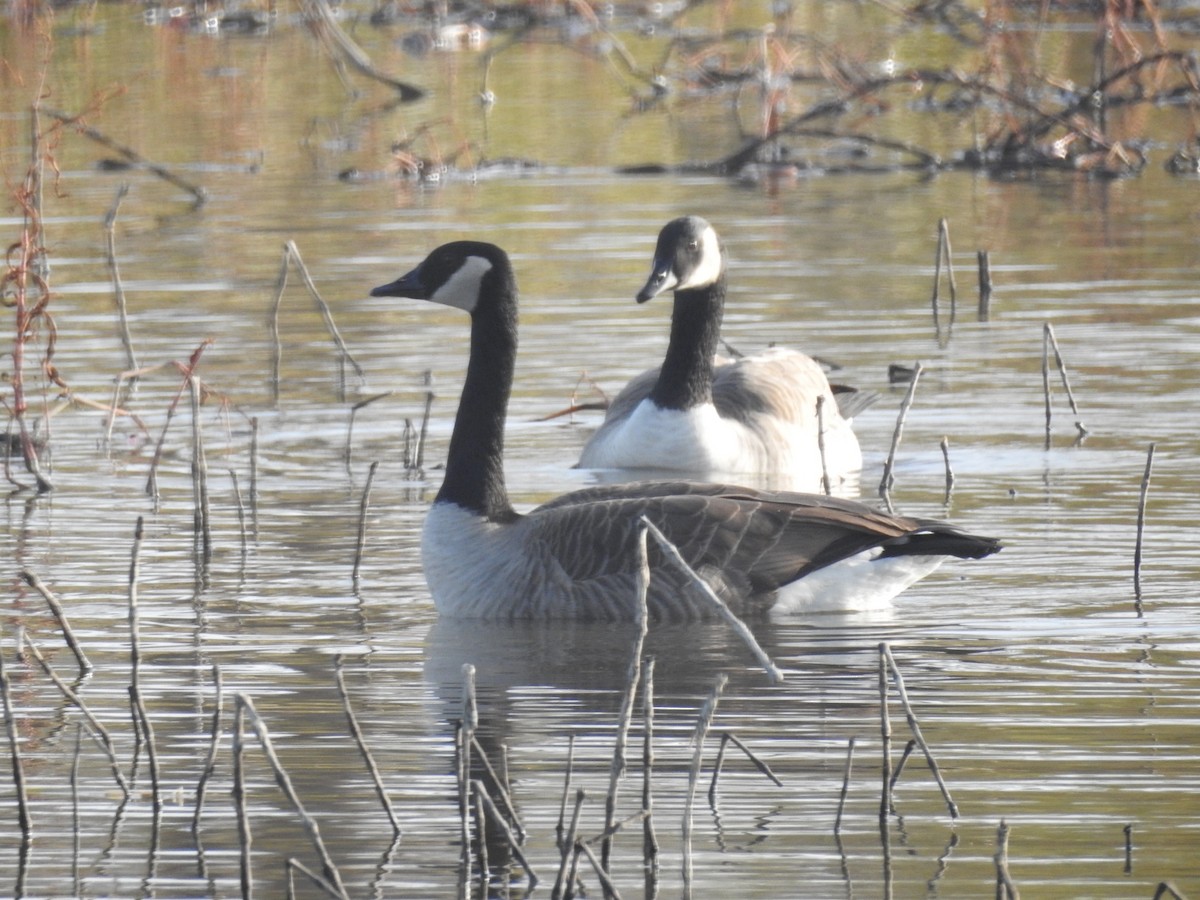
[562,806]
[363,506]
[239,799]
[513,843]
[294,865]
[945,445]
[1006,889]
[110,241]
[1141,525]
[943,253]
[837,822]
[649,838]
[888,481]
[825,488]
[214,743]
[606,884]
[60,615]
[356,733]
[703,723]
[14,745]
[985,284]
[563,882]
[730,737]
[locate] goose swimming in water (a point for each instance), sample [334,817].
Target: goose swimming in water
[703,414]
[575,556]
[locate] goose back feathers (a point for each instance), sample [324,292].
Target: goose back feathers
[705,414]
[574,557]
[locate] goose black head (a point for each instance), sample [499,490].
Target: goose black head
[452,275]
[689,255]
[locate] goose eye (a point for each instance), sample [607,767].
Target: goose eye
[693,245]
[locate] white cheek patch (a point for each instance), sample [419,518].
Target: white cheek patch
[461,289]
[708,270]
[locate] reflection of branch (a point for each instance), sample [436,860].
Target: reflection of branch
[355,55]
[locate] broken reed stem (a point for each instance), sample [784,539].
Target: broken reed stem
[501,789]
[561,882]
[1128,829]
[825,488]
[14,744]
[147,730]
[1141,525]
[837,822]
[908,749]
[187,370]
[720,762]
[135,652]
[985,284]
[945,445]
[1005,887]
[562,806]
[285,784]
[649,838]
[110,243]
[294,865]
[198,193]
[214,743]
[889,479]
[239,799]
[610,889]
[1049,342]
[254,476]
[632,677]
[1167,889]
[56,609]
[98,730]
[886,650]
[481,836]
[241,511]
[201,515]
[353,412]
[363,506]
[730,737]
[885,734]
[294,254]
[356,733]
[419,457]
[943,253]
[739,627]
[704,722]
[513,843]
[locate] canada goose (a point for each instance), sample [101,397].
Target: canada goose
[704,414]
[574,557]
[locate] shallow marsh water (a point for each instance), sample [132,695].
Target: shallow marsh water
[1049,702]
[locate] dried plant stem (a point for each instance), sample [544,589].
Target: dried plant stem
[945,445]
[201,513]
[985,284]
[1005,888]
[363,506]
[214,743]
[135,653]
[513,843]
[14,744]
[729,737]
[354,412]
[1049,342]
[98,730]
[284,782]
[130,155]
[56,609]
[649,838]
[739,627]
[110,242]
[704,722]
[239,799]
[1141,526]
[187,371]
[898,679]
[254,476]
[825,488]
[481,837]
[562,806]
[889,479]
[241,512]
[606,884]
[356,733]
[632,677]
[943,253]
[336,39]
[561,882]
[885,735]
[1167,889]
[294,865]
[500,788]
[908,749]
[837,822]
[147,731]
[419,456]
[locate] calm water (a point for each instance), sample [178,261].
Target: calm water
[1048,701]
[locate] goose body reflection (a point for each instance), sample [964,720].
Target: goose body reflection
[700,413]
[575,557]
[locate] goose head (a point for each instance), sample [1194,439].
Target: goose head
[688,256]
[454,274]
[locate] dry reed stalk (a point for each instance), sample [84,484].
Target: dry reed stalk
[513,843]
[214,743]
[56,609]
[241,512]
[419,456]
[562,805]
[254,476]
[730,737]
[110,244]
[481,839]
[632,678]
[353,412]
[501,789]
[1141,526]
[24,822]
[284,781]
[98,731]
[1006,889]
[837,822]
[187,370]
[335,39]
[886,651]
[147,731]
[739,627]
[885,735]
[294,865]
[1128,849]
[562,885]
[945,445]
[908,749]
[135,556]
[1049,342]
[76,831]
[202,514]
[363,506]
[606,884]
[356,733]
[703,723]
[470,721]
[943,252]
[649,838]
[130,155]
[985,284]
[1167,889]
[825,488]
[239,800]
[888,481]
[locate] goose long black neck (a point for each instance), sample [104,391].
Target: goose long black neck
[475,464]
[686,377]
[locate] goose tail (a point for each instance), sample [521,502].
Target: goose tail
[940,539]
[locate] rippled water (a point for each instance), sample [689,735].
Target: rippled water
[1050,703]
